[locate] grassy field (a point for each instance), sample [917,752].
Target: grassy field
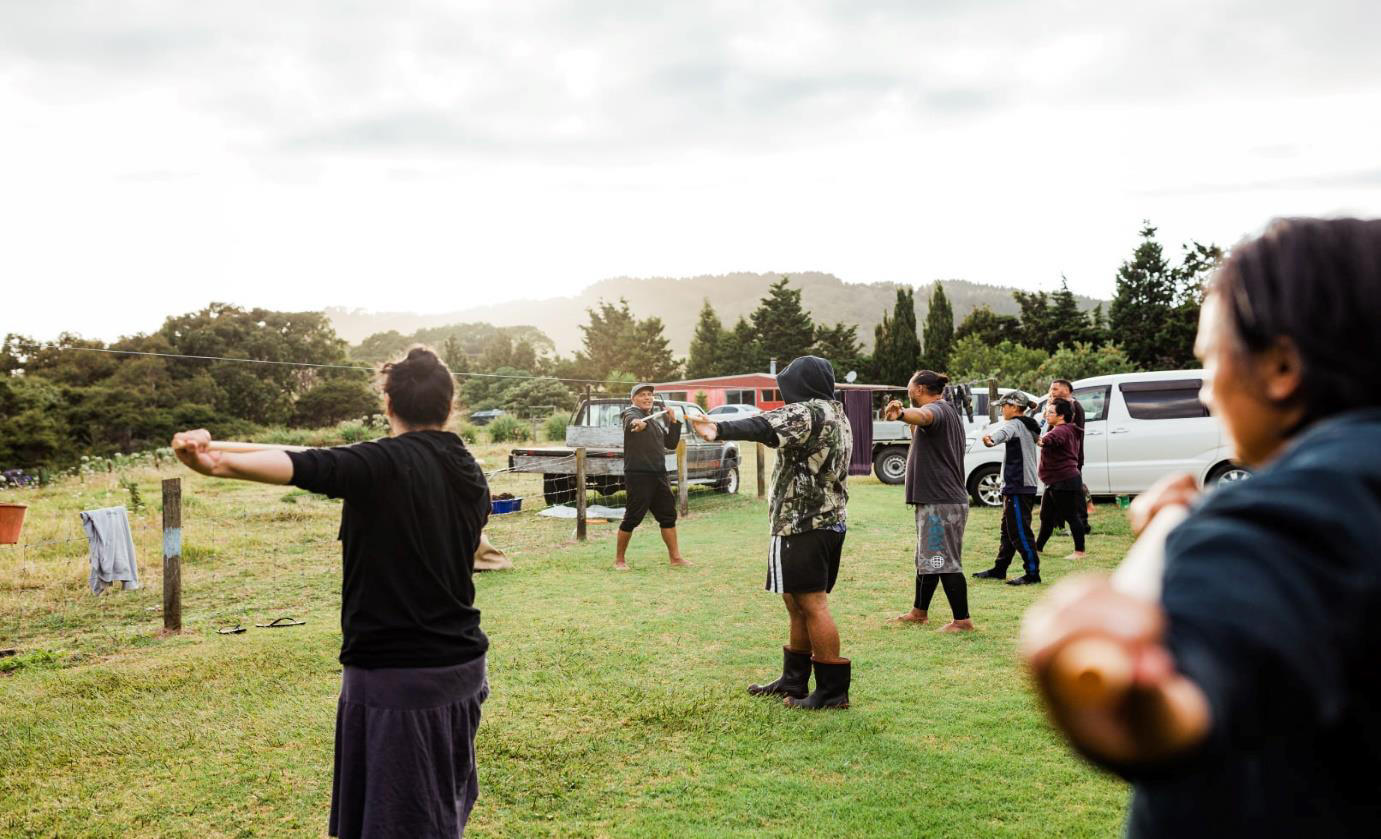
[618,706]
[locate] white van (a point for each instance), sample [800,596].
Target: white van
[1138,427]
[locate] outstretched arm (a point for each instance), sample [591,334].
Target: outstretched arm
[911,416]
[752,429]
[265,467]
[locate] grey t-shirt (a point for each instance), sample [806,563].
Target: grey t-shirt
[935,462]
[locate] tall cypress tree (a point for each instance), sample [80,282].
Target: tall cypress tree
[784,328]
[1067,326]
[898,350]
[838,344]
[707,346]
[1140,316]
[939,331]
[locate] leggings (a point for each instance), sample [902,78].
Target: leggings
[1062,505]
[956,592]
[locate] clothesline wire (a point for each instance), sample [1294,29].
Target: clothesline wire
[316,365]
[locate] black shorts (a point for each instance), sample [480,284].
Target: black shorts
[802,563]
[648,491]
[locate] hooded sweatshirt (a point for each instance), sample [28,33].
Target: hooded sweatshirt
[814,442]
[415,506]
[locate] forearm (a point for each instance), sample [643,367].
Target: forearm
[266,467]
[752,429]
[916,417]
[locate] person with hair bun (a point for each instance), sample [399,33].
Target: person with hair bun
[935,487]
[414,679]
[1253,700]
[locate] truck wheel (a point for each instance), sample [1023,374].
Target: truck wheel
[606,486]
[985,485]
[558,489]
[889,465]
[728,482]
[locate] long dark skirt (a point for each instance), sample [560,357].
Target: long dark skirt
[405,751]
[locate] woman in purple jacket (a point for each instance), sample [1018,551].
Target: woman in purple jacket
[1059,471]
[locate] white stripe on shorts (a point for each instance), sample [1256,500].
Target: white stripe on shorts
[774,566]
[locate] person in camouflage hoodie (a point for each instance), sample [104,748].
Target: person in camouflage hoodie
[808,513]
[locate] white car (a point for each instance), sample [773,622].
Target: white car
[735,411]
[1138,427]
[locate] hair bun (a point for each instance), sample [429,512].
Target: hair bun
[421,353]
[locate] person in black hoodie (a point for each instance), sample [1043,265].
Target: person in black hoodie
[413,652]
[808,511]
[1254,706]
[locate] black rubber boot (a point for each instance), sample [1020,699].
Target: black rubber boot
[795,680]
[831,687]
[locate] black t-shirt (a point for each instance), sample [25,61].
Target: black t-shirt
[646,450]
[1272,596]
[414,508]
[935,461]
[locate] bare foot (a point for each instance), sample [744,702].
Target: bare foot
[913,616]
[680,562]
[1078,555]
[965,625]
[620,565]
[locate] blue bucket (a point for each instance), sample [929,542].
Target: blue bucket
[506,505]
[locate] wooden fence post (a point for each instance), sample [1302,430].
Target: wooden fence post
[172,555]
[580,493]
[682,485]
[762,470]
[992,400]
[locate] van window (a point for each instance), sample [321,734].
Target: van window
[1094,401]
[1177,399]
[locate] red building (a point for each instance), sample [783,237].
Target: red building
[758,389]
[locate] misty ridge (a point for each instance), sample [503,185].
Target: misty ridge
[677,302]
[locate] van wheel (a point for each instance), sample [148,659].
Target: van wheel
[985,485]
[728,482]
[1227,473]
[558,489]
[889,465]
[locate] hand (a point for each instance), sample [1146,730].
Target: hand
[1040,441]
[639,425]
[893,410]
[987,440]
[671,416]
[705,427]
[1172,490]
[1150,711]
[190,447]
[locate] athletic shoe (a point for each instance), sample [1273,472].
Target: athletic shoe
[990,574]
[1024,580]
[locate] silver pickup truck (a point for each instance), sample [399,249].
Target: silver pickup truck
[595,426]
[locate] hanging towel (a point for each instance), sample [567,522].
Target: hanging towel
[112,548]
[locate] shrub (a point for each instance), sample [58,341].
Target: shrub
[555,427]
[506,429]
[467,432]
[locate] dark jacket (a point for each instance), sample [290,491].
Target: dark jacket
[1272,595]
[1060,454]
[646,450]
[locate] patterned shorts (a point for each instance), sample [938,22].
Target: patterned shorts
[940,537]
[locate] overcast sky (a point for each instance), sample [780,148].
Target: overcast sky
[427,156]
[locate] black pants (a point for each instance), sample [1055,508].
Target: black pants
[1017,535]
[956,592]
[1062,505]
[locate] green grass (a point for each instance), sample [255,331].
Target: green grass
[618,706]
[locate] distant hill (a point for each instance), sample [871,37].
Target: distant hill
[677,302]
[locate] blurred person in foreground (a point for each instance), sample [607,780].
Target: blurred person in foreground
[1255,699]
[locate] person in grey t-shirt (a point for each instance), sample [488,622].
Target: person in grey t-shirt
[935,487]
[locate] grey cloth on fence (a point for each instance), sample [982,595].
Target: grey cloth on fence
[112,548]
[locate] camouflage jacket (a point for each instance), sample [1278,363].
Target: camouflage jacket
[814,444]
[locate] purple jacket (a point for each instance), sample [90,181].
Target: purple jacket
[1060,454]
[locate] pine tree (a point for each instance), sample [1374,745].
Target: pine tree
[707,346]
[991,328]
[838,345]
[1037,319]
[615,340]
[1140,316]
[784,328]
[939,331]
[1068,326]
[740,352]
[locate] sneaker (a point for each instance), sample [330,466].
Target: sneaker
[1024,580]
[990,574]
